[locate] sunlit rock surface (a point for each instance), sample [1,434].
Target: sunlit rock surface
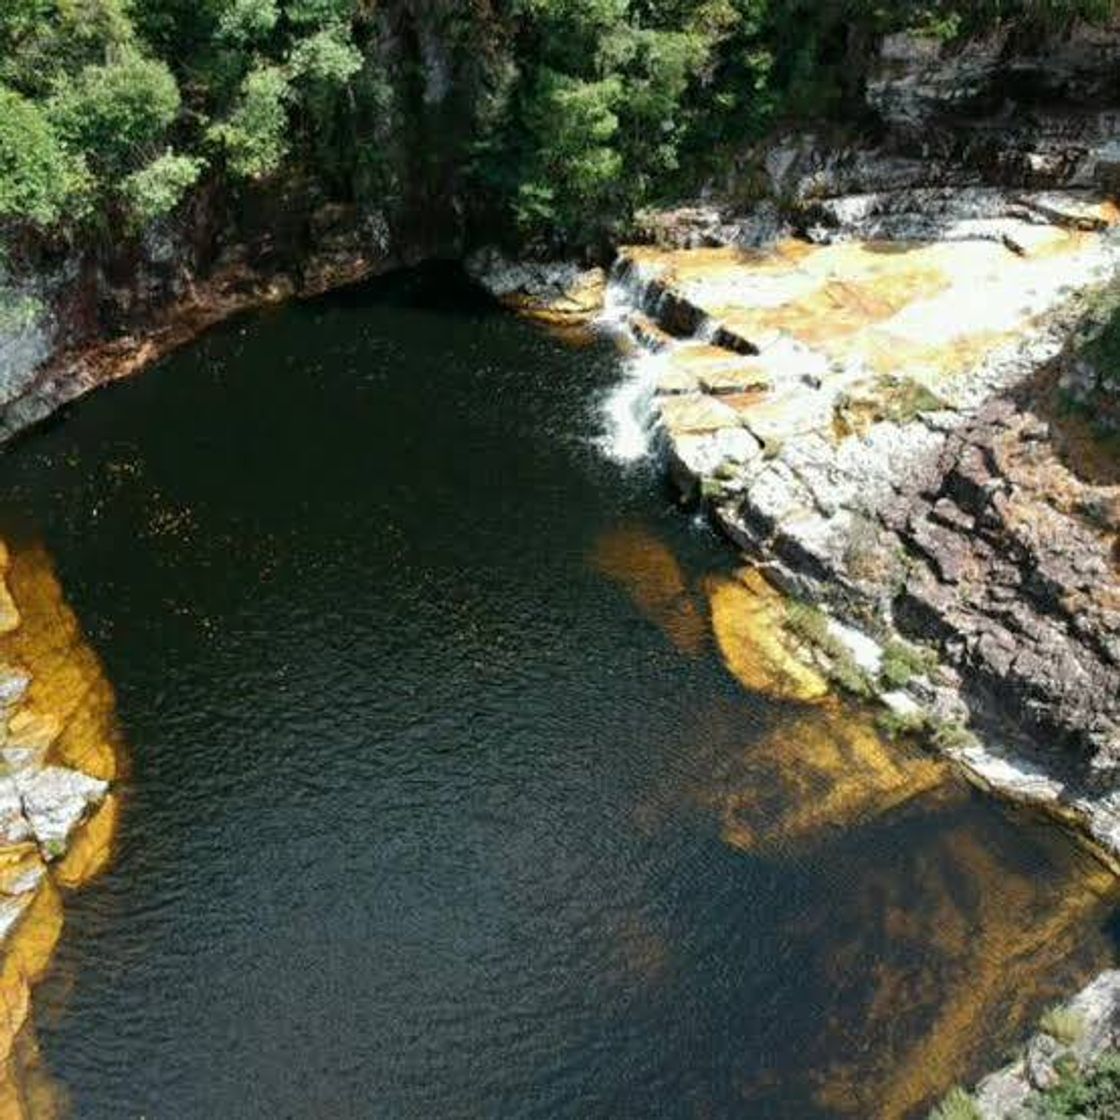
[872,421]
[57,817]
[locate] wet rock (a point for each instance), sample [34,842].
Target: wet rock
[1007,1094]
[691,414]
[554,291]
[884,460]
[54,801]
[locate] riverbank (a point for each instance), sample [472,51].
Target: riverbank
[872,423]
[61,762]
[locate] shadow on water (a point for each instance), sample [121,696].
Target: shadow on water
[467,777]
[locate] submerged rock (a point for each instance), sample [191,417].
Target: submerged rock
[1093,1019]
[59,749]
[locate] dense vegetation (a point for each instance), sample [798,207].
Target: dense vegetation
[1093,1095]
[563,114]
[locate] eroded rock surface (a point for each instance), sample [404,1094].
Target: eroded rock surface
[873,422]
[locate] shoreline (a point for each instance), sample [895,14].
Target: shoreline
[856,644]
[703,399]
[62,764]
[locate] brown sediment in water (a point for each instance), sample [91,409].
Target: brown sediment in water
[69,706]
[987,940]
[65,718]
[834,770]
[651,575]
[747,616]
[976,964]
[959,945]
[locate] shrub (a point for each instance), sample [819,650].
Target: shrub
[114,115]
[1063,1024]
[902,662]
[1093,1095]
[158,188]
[254,136]
[952,736]
[37,177]
[902,725]
[957,1105]
[810,624]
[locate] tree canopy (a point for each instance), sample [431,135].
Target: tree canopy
[566,114]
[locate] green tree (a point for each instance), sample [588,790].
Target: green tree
[254,135]
[38,180]
[114,115]
[158,187]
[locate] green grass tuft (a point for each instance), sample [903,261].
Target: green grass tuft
[957,1105]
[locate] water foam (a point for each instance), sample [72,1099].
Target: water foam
[627,413]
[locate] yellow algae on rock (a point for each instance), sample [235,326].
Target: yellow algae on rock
[27,952]
[834,769]
[838,322]
[748,621]
[26,955]
[69,708]
[9,615]
[61,746]
[651,575]
[91,848]
[27,1091]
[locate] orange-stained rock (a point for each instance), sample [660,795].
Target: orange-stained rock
[748,620]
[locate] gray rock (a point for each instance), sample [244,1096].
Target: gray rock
[55,800]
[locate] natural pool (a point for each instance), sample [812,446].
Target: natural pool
[443,799]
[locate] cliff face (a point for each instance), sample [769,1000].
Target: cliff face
[1043,115]
[75,315]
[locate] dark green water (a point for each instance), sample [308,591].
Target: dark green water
[425,815]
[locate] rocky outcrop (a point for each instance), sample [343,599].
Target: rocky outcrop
[867,420]
[1043,112]
[560,293]
[1079,1033]
[70,322]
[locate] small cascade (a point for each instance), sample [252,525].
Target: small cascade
[629,418]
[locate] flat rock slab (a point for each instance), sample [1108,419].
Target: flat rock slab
[696,414]
[1087,211]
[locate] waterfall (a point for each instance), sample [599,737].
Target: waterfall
[629,418]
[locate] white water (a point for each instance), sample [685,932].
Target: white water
[627,414]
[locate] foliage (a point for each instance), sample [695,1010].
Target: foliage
[254,135]
[951,736]
[899,725]
[37,177]
[809,624]
[112,115]
[158,187]
[1093,1095]
[566,115]
[1063,1024]
[957,1105]
[902,661]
